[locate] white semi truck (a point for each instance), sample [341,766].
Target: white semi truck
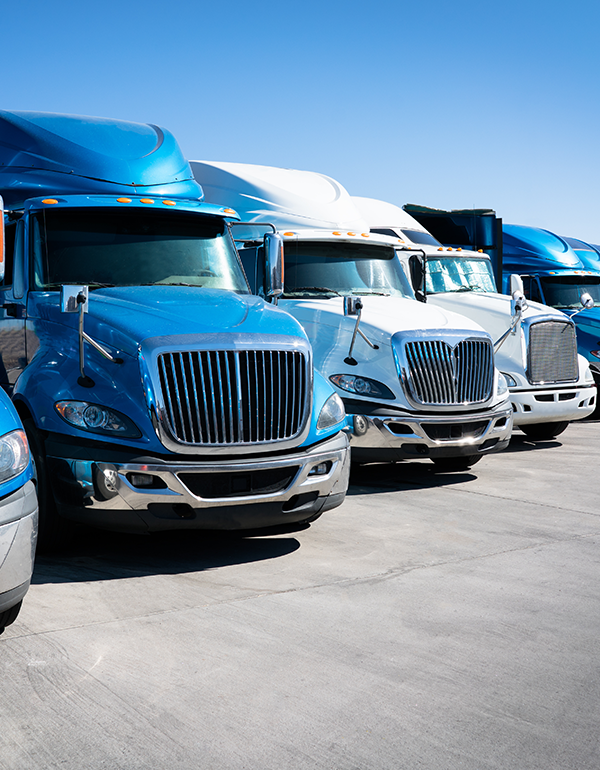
[550,385]
[418,381]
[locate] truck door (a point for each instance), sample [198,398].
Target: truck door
[13,357]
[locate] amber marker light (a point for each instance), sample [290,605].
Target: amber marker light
[459,249]
[289,233]
[351,233]
[480,251]
[440,249]
[230,211]
[49,200]
[146,200]
[169,203]
[123,200]
[336,232]
[365,235]
[449,248]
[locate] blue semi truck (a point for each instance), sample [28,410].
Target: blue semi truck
[18,513]
[156,392]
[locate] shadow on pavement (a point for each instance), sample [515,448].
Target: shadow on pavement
[520,443]
[403,475]
[98,555]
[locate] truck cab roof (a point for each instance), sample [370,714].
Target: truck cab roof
[61,154]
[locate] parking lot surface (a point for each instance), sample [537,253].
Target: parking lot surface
[433,621]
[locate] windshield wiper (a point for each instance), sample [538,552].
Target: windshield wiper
[194,285]
[465,288]
[365,292]
[300,289]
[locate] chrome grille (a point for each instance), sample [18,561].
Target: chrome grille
[444,375]
[552,354]
[225,397]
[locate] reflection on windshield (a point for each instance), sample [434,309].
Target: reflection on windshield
[322,269]
[104,247]
[459,274]
[418,236]
[564,292]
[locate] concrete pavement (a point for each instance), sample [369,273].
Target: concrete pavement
[433,621]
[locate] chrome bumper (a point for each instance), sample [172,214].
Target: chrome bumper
[552,404]
[228,494]
[18,532]
[407,436]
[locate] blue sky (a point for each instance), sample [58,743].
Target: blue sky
[451,105]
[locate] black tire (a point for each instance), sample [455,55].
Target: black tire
[9,616]
[544,431]
[449,464]
[52,529]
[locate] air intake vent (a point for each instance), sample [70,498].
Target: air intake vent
[442,375]
[552,353]
[233,398]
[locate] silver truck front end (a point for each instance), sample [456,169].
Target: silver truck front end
[449,380]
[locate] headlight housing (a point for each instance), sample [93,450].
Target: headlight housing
[510,381]
[332,413]
[502,385]
[362,386]
[14,454]
[97,419]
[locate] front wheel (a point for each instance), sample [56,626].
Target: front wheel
[52,529]
[449,464]
[9,616]
[544,430]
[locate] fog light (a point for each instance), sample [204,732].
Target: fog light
[321,469]
[140,480]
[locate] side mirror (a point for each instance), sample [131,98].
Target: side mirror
[352,305]
[586,300]
[274,264]
[2,247]
[71,297]
[417,264]
[516,285]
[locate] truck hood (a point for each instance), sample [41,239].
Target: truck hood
[587,319]
[491,310]
[124,317]
[381,316]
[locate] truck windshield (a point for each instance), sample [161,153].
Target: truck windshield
[459,274]
[328,269]
[132,247]
[564,292]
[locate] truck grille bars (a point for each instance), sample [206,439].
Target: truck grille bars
[552,352]
[225,397]
[440,374]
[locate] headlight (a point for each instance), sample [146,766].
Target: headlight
[363,386]
[97,419]
[511,382]
[502,384]
[14,454]
[332,412]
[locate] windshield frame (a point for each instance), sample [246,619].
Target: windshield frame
[202,242]
[354,260]
[578,283]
